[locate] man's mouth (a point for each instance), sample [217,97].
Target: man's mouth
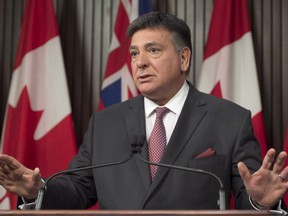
[144,77]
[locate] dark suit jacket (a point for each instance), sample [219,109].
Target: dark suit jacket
[205,122]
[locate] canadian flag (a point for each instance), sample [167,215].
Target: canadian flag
[286,145]
[286,163]
[38,128]
[229,68]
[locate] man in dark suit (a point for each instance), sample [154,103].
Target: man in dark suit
[200,131]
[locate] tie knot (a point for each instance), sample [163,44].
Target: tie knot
[161,111]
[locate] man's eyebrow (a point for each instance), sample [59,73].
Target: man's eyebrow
[146,45]
[132,47]
[152,44]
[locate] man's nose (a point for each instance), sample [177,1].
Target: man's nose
[142,60]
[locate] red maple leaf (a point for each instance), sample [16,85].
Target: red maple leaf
[51,153]
[18,141]
[217,91]
[20,126]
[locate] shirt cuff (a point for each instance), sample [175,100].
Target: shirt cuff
[27,204]
[277,210]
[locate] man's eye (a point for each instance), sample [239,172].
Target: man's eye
[133,54]
[154,50]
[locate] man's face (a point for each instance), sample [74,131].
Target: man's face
[158,69]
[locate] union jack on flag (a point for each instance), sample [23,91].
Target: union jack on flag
[118,83]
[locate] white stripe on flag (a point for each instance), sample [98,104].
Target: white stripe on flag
[44,75]
[234,66]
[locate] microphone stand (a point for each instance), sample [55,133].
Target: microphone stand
[222,195]
[44,187]
[136,148]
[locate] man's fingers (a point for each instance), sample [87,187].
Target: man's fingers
[8,162]
[5,169]
[279,162]
[36,175]
[4,159]
[2,175]
[283,175]
[268,160]
[244,172]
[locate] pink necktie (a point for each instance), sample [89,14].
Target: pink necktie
[157,140]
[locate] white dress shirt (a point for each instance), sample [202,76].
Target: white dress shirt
[175,106]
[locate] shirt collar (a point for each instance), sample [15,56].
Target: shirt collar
[175,104]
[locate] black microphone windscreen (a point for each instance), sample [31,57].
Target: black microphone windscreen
[137,143]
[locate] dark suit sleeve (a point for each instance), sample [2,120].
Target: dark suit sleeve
[248,151]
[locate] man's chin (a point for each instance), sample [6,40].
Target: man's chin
[146,88]
[146,92]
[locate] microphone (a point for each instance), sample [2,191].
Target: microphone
[44,187]
[136,148]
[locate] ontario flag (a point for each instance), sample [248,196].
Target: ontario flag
[229,67]
[118,83]
[38,128]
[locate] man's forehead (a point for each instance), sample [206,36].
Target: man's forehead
[150,35]
[152,30]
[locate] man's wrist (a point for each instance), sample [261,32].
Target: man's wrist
[258,206]
[33,197]
[30,203]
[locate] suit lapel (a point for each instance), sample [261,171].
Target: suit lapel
[192,113]
[135,124]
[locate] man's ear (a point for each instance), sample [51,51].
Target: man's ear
[185,59]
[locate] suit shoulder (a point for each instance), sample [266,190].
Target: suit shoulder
[120,108]
[217,103]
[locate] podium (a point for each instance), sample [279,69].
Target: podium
[131,213]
